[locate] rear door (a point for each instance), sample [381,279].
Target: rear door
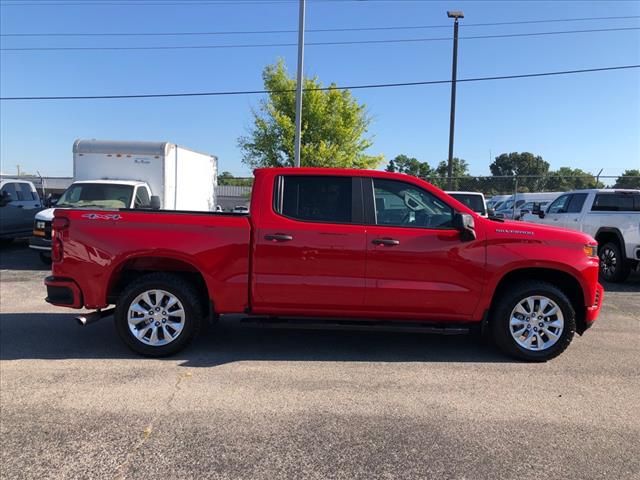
[310,249]
[417,264]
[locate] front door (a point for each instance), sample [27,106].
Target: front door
[310,247]
[417,264]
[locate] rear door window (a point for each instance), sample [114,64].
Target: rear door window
[576,202]
[614,202]
[315,198]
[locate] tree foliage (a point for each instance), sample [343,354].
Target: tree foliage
[567,178]
[226,178]
[522,165]
[334,126]
[409,165]
[628,179]
[460,173]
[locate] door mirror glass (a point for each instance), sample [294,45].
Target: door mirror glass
[536,209]
[464,223]
[155,202]
[491,212]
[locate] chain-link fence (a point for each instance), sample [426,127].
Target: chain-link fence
[507,185]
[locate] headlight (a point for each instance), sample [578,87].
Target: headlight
[39,225]
[590,250]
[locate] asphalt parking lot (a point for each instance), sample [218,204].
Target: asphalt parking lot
[263,404]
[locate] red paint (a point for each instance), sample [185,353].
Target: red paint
[325,269]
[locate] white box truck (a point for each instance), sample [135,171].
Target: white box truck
[122,174]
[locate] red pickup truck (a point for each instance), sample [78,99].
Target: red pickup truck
[326,244]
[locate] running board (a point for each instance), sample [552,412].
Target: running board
[365,325]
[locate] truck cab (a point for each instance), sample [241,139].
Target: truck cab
[19,201]
[88,194]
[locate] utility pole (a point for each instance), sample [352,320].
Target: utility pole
[455,14]
[299,81]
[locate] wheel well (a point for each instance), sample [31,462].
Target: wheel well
[564,281]
[606,236]
[135,268]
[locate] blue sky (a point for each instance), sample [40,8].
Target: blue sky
[589,121]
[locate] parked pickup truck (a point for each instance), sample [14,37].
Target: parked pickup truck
[355,245]
[612,217]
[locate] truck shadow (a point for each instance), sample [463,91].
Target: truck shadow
[632,284]
[18,256]
[57,336]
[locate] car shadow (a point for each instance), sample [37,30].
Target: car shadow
[18,256]
[632,285]
[55,336]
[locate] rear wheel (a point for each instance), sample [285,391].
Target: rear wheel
[533,321]
[158,314]
[613,267]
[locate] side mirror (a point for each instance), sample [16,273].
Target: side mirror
[154,202]
[536,208]
[464,223]
[491,212]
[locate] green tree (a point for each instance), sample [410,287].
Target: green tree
[628,179]
[567,178]
[410,166]
[226,178]
[523,165]
[460,174]
[334,126]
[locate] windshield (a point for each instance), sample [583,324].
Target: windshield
[96,195]
[474,202]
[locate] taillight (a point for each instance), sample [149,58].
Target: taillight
[56,250]
[58,225]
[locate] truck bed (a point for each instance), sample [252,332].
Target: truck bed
[99,245]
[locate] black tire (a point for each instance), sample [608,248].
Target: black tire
[45,258]
[501,314]
[613,266]
[176,286]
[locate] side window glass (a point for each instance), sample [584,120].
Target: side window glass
[560,204]
[142,198]
[404,205]
[9,189]
[576,203]
[611,202]
[24,192]
[316,198]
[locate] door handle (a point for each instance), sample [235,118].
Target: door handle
[386,241]
[278,237]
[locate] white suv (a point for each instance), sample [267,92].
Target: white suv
[612,217]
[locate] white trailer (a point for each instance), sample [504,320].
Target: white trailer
[120,174]
[182,178]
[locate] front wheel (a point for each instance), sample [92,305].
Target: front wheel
[613,267]
[158,314]
[533,321]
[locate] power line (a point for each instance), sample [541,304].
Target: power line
[352,87]
[346,42]
[310,30]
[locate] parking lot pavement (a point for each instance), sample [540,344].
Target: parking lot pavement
[252,403]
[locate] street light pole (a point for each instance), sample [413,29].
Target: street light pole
[454,72]
[299,81]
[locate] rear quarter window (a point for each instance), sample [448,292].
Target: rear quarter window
[616,202]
